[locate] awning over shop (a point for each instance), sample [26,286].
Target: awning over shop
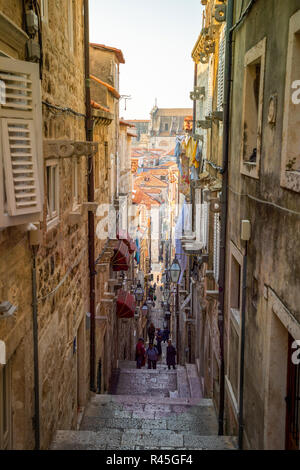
[126,238]
[121,258]
[125,305]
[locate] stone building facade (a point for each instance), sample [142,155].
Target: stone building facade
[264,190]
[45,313]
[249,362]
[47,247]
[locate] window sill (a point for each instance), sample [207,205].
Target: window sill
[235,317]
[291,180]
[75,215]
[250,169]
[52,223]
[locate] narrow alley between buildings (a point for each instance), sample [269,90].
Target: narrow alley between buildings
[150,173]
[149,409]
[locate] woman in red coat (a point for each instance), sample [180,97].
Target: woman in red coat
[140,354]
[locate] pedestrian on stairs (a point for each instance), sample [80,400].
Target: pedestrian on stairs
[152,355]
[140,354]
[166,334]
[151,332]
[171,353]
[159,339]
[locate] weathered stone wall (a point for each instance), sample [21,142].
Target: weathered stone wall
[64,246]
[63,257]
[13,10]
[273,251]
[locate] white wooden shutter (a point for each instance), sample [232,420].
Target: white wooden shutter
[203,225]
[221,69]
[20,167]
[209,97]
[21,162]
[217,227]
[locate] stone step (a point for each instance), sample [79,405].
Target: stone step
[200,424]
[151,382]
[193,381]
[183,384]
[161,365]
[143,399]
[109,439]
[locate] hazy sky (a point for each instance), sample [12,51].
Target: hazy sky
[156,38]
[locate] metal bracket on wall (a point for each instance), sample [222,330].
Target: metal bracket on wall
[207,124]
[220,13]
[197,93]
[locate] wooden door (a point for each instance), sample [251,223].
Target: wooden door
[292,402]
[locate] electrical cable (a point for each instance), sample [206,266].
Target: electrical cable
[262,201]
[64,278]
[62,109]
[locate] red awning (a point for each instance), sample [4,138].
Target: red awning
[126,238]
[121,258]
[125,305]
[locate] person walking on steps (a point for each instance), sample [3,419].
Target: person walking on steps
[166,334]
[140,354]
[171,353]
[158,341]
[152,356]
[151,332]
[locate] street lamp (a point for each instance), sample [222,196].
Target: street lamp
[166,294]
[139,292]
[175,271]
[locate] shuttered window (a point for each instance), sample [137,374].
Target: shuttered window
[217,227]
[202,224]
[20,167]
[209,98]
[52,182]
[221,70]
[21,179]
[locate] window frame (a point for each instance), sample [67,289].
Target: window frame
[252,56]
[45,11]
[34,115]
[234,320]
[52,218]
[289,179]
[75,183]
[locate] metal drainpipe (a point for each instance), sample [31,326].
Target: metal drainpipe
[242,360]
[35,352]
[90,189]
[224,208]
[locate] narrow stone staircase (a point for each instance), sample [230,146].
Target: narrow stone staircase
[148,409]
